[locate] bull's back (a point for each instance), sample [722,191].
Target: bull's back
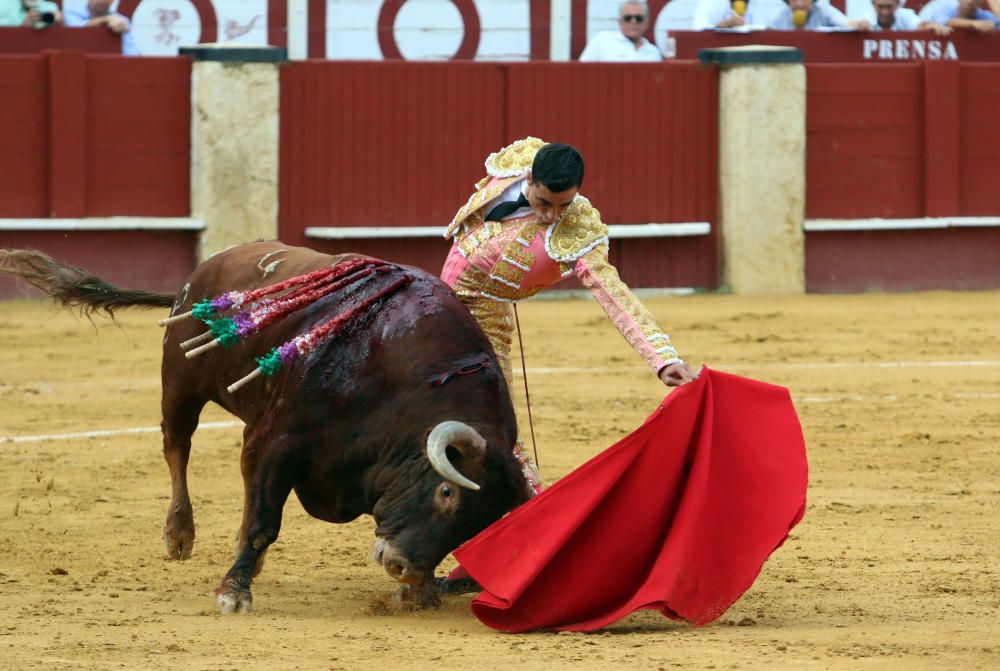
[254,265]
[240,268]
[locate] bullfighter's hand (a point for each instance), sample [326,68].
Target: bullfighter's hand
[677,374]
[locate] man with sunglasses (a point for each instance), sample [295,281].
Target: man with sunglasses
[626,44]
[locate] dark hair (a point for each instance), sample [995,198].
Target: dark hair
[558,167]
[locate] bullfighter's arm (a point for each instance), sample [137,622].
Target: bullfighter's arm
[629,316]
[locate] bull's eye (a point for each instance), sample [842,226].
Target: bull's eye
[445,490]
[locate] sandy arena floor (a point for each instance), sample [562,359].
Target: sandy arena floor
[894,567]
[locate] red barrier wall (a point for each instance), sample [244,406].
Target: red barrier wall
[23,153]
[903,141]
[95,40]
[409,154]
[150,260]
[864,141]
[95,135]
[979,139]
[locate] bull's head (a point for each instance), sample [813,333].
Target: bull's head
[463,486]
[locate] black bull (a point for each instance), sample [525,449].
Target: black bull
[362,425]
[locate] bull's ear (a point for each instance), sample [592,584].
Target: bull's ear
[461,437]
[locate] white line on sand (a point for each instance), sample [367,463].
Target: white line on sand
[106,433]
[829,398]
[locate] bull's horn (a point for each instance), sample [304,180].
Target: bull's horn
[463,438]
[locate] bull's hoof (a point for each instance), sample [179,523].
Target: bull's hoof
[179,545]
[178,532]
[234,600]
[417,597]
[457,586]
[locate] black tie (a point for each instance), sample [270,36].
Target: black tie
[503,209]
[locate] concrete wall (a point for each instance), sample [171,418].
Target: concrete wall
[234,152]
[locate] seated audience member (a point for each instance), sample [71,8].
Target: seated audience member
[98,13]
[890,16]
[805,14]
[626,44]
[36,14]
[721,14]
[966,14]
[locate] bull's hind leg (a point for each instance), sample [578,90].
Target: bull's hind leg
[248,467]
[180,419]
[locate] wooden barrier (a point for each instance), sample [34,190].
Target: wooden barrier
[902,141]
[902,158]
[98,135]
[399,145]
[95,135]
[95,40]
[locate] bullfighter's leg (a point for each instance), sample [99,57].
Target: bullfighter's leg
[180,419]
[498,321]
[269,488]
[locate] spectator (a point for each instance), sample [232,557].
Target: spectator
[890,16]
[966,14]
[722,14]
[98,13]
[626,44]
[36,14]
[805,14]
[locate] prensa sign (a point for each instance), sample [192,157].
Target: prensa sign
[903,49]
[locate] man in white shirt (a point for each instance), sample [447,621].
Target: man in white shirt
[810,15]
[626,44]
[890,16]
[710,14]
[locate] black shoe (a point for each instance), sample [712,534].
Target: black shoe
[458,586]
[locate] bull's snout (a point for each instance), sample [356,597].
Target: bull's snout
[399,567]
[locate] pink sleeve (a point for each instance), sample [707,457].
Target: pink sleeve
[629,316]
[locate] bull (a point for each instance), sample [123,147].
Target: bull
[404,414]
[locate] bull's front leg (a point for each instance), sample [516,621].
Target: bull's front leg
[262,522]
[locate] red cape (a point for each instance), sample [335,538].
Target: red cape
[679,516]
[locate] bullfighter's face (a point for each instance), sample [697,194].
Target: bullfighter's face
[549,205]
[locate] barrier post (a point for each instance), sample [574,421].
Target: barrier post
[762,150]
[234,143]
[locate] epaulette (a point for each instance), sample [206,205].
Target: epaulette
[578,231]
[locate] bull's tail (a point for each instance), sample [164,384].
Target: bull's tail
[75,287]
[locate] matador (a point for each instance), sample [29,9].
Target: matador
[525,228]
